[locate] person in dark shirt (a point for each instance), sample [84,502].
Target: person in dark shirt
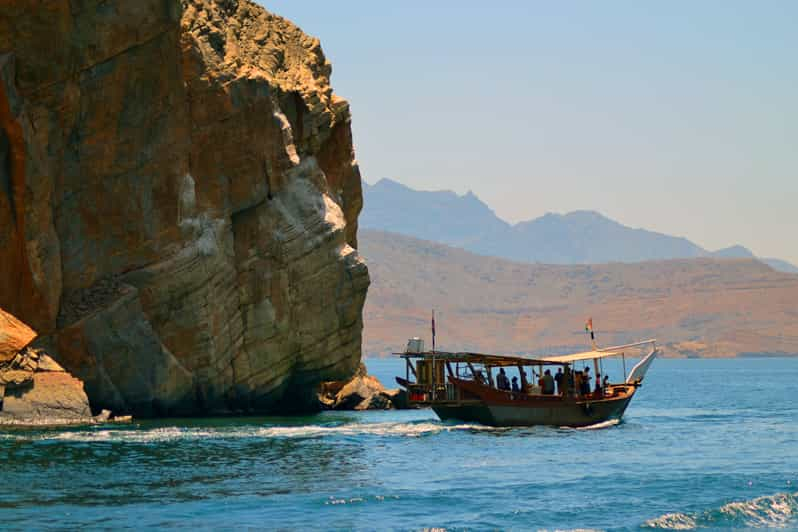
[598,390]
[502,382]
[558,380]
[568,380]
[515,385]
[586,381]
[548,383]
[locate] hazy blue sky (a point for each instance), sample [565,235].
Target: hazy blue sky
[680,117]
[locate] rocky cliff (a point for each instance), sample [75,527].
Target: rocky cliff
[178,202]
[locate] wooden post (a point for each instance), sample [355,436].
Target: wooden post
[623,357]
[596,369]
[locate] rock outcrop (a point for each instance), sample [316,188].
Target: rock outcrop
[34,388]
[14,335]
[361,392]
[178,203]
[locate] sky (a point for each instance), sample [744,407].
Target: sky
[679,117]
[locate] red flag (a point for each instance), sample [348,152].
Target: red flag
[589,328]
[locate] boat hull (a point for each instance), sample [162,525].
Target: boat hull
[474,402]
[571,414]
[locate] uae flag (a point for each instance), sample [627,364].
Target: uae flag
[589,328]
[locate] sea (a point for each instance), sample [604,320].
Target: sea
[705,444]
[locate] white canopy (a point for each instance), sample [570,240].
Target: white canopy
[587,355]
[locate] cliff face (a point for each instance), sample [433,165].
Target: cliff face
[178,202]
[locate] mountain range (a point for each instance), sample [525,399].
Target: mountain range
[700,307]
[579,237]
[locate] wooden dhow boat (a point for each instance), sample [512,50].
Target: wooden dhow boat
[463,386]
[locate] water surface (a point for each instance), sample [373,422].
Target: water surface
[705,444]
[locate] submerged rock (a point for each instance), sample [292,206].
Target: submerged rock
[180,216]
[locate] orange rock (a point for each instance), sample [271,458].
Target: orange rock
[14,335]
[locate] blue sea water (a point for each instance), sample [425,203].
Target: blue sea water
[704,444]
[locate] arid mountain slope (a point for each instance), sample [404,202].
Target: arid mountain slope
[695,307]
[178,202]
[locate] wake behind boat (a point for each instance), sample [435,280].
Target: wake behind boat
[460,385]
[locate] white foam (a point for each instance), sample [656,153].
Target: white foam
[675,521]
[165,434]
[775,510]
[602,425]
[376,429]
[769,511]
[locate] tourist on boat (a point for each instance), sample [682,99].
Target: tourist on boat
[598,390]
[586,381]
[606,382]
[515,385]
[502,382]
[568,379]
[559,381]
[548,383]
[578,382]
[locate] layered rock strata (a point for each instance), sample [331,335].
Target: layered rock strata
[36,390]
[178,203]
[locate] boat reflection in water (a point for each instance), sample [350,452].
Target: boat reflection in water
[460,386]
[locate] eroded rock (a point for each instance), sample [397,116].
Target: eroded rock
[362,392]
[37,391]
[181,211]
[14,335]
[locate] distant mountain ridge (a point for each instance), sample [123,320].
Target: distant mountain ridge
[702,307]
[579,237]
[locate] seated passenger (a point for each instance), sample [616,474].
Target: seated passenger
[515,385]
[548,383]
[606,382]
